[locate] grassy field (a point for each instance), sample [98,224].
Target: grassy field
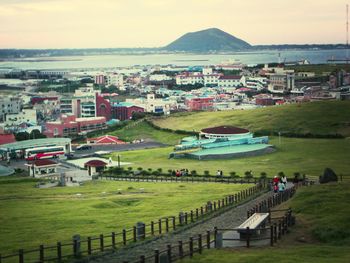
[31,216]
[323,219]
[320,118]
[309,156]
[143,130]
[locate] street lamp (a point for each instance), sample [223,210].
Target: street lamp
[279,138]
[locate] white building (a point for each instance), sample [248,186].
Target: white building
[115,79]
[231,81]
[9,105]
[151,104]
[257,83]
[189,79]
[25,116]
[280,83]
[159,77]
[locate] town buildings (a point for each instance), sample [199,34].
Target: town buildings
[69,125]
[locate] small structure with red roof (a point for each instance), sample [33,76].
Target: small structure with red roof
[42,168]
[105,139]
[95,166]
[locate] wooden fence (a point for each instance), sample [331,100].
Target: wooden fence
[79,247]
[278,226]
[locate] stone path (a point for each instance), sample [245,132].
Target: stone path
[229,219]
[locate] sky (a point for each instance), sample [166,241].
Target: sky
[155,23]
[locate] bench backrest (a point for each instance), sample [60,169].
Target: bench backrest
[254,221]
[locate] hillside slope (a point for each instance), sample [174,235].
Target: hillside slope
[207,40]
[315,119]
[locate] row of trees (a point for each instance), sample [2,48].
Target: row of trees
[160,172]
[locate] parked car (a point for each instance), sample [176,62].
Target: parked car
[83,147]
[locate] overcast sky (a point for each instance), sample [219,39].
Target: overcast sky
[154,23]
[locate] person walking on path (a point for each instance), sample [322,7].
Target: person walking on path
[284,180]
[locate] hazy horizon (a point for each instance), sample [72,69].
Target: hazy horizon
[79,24]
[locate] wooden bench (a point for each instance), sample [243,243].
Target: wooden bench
[254,222]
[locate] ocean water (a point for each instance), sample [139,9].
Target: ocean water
[113,61]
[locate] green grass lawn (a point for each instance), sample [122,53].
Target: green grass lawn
[309,156]
[320,118]
[143,130]
[31,216]
[322,211]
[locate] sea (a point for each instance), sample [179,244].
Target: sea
[94,62]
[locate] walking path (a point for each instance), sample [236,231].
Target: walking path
[229,219]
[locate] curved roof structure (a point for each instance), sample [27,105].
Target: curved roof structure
[225,130]
[20,145]
[95,163]
[4,171]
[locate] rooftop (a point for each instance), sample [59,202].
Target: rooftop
[34,143]
[95,163]
[225,130]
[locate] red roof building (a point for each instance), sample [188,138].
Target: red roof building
[105,139]
[95,167]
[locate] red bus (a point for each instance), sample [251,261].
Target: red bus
[44,152]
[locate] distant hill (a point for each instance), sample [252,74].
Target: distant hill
[212,39]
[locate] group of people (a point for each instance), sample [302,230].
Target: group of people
[179,173]
[279,184]
[219,173]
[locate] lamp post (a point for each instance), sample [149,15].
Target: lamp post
[279,138]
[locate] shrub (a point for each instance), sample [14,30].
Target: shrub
[263,175]
[193,173]
[140,168]
[206,173]
[248,175]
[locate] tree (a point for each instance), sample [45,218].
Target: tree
[248,175]
[263,175]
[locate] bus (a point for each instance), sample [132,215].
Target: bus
[44,152]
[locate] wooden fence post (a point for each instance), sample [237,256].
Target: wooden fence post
[59,251]
[160,226]
[21,256]
[166,225]
[208,239]
[41,253]
[248,237]
[169,253]
[113,240]
[156,256]
[124,237]
[142,259]
[89,245]
[181,250]
[191,247]
[134,233]
[200,243]
[152,228]
[271,236]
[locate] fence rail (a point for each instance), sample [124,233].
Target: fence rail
[185,179]
[214,239]
[80,247]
